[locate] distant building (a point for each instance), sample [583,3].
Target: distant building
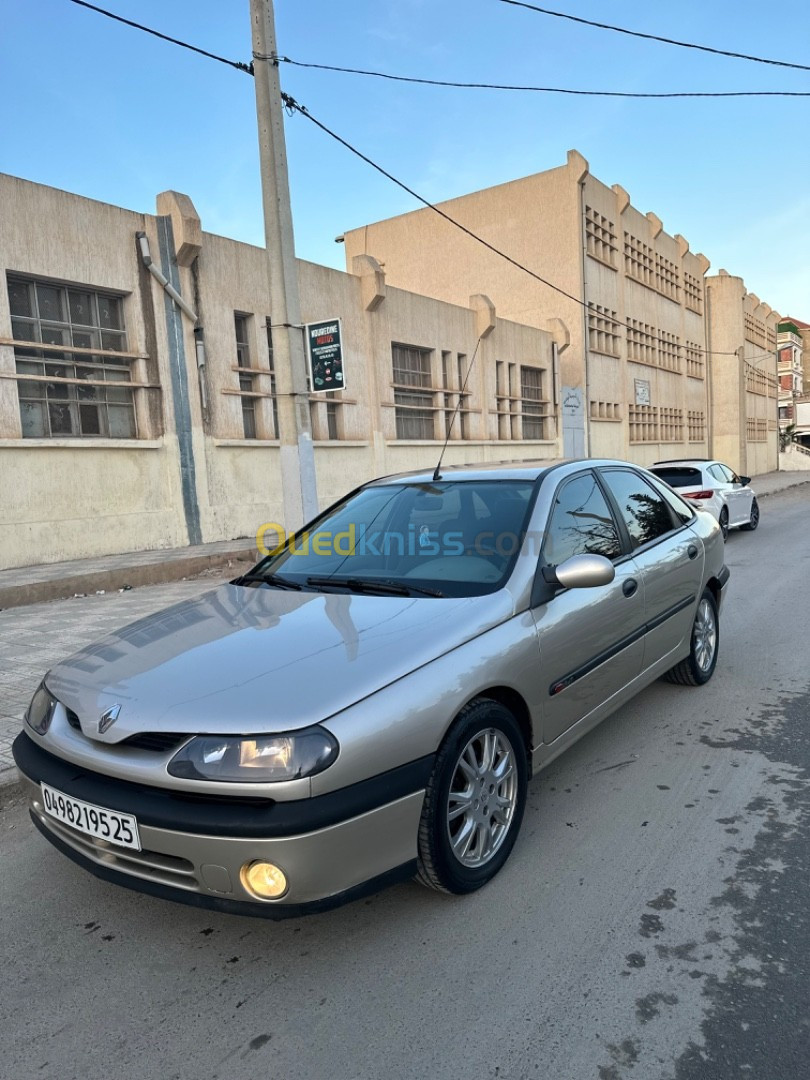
[635,379]
[794,378]
[124,427]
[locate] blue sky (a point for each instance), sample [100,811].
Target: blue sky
[104,111]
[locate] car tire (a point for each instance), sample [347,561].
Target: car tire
[481,767]
[753,520]
[724,523]
[698,667]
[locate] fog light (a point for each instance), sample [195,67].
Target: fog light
[264,880]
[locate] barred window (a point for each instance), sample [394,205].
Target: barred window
[641,342]
[671,425]
[246,380]
[600,235]
[695,364]
[756,429]
[455,404]
[521,405]
[77,387]
[606,410]
[413,392]
[696,425]
[667,280]
[693,292]
[639,262]
[755,331]
[271,369]
[532,404]
[603,330]
[643,423]
[669,351]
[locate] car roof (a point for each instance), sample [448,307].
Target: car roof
[498,470]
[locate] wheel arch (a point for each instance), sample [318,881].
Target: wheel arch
[516,704]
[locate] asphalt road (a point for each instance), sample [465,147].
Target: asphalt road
[652,923]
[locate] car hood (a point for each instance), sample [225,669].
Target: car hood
[246,660]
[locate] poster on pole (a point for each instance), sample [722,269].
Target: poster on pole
[325,356]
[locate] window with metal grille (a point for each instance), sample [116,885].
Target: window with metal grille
[413,392]
[76,385]
[604,330]
[244,362]
[532,405]
[272,370]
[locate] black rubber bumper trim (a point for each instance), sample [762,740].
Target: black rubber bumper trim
[723,577]
[276,912]
[162,808]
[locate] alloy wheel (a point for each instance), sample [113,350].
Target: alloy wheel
[704,635]
[483,797]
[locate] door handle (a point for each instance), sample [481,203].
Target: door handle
[692,551]
[629,586]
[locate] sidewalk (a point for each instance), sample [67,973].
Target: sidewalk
[57,581]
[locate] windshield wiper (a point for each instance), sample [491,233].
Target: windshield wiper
[272,580]
[382,586]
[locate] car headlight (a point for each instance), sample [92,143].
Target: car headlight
[256,759]
[40,712]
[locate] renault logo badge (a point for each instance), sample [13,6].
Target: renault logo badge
[108,718]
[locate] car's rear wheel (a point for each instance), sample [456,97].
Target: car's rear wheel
[698,667]
[753,520]
[474,800]
[724,523]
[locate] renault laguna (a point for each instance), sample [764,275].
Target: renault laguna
[370,701]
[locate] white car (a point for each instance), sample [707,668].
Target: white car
[711,485]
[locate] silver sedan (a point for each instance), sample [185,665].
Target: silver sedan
[370,701]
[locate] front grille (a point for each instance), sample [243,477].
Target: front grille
[159,742]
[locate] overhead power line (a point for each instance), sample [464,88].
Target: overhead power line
[654,37]
[540,89]
[293,106]
[165,37]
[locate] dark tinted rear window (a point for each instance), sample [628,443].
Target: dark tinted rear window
[679,476]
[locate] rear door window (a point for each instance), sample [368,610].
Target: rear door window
[644,511]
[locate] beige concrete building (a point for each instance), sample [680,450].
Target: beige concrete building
[744,390]
[636,379]
[126,424]
[634,376]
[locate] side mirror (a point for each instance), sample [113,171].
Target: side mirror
[582,572]
[744,479]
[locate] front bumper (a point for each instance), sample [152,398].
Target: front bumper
[332,848]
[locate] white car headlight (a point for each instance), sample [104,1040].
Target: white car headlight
[256,759]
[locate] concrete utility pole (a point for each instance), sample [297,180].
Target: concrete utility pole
[297,454]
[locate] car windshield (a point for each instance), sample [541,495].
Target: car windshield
[679,476]
[443,538]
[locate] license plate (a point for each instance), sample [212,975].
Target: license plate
[110,825]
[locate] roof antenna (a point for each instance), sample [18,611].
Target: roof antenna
[436,471]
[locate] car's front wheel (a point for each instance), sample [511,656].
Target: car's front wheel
[474,800]
[698,667]
[753,520]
